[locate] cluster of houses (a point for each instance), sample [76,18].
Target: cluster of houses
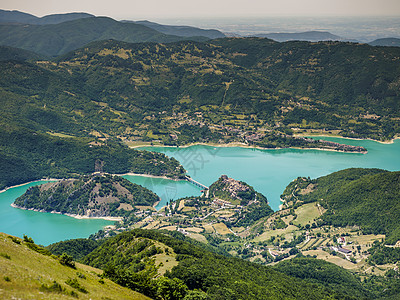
[340,249]
[233,187]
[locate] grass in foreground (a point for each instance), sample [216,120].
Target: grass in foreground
[27,274]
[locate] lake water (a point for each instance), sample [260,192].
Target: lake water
[268,171]
[167,189]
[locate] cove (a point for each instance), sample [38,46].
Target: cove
[270,171]
[44,228]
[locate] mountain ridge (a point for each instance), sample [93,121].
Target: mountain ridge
[56,39]
[18,17]
[184,31]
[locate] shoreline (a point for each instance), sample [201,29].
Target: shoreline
[149,176]
[245,146]
[347,138]
[80,217]
[22,184]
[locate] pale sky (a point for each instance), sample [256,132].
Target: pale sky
[147,9]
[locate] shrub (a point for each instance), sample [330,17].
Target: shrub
[28,239]
[67,260]
[15,240]
[5,255]
[76,285]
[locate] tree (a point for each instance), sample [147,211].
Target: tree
[171,289]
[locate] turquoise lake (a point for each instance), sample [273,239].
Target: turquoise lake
[268,171]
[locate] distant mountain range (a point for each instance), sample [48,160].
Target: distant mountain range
[58,34]
[56,39]
[15,16]
[311,36]
[184,31]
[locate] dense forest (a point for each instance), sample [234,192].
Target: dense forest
[31,155]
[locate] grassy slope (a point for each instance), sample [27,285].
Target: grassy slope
[28,270]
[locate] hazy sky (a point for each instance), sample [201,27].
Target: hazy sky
[140,9]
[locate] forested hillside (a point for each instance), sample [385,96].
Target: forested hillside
[19,17]
[98,195]
[247,84]
[369,198]
[28,155]
[44,134]
[133,258]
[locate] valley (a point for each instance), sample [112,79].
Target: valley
[173,162]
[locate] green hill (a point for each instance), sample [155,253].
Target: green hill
[125,259]
[43,133]
[15,16]
[55,39]
[77,248]
[133,258]
[91,196]
[327,85]
[322,272]
[28,155]
[369,198]
[27,274]
[255,205]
